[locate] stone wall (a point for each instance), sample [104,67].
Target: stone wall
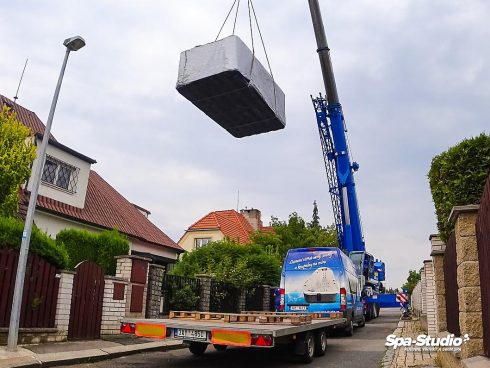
[154,294]
[468,276]
[205,294]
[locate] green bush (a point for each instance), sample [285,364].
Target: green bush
[240,265]
[98,247]
[41,244]
[184,298]
[457,177]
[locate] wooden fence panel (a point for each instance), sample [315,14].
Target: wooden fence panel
[483,241]
[40,290]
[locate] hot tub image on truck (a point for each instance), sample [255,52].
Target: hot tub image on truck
[321,286]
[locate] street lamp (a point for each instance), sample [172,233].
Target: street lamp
[71,44]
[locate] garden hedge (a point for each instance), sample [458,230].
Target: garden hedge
[98,247]
[457,177]
[41,244]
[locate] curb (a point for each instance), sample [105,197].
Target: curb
[92,355]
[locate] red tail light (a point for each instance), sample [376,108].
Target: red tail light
[282,300]
[128,328]
[261,340]
[343,299]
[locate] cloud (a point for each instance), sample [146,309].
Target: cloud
[413,78]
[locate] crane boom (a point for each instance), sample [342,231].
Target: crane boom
[332,129]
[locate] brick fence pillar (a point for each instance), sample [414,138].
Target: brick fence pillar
[205,292]
[63,305]
[438,248]
[135,270]
[154,292]
[242,301]
[468,276]
[423,284]
[113,304]
[266,298]
[430,297]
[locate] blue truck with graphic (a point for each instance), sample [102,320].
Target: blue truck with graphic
[319,280]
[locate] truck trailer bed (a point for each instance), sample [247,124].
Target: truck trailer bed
[307,332]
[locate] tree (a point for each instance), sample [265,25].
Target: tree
[243,266]
[412,280]
[294,233]
[315,221]
[16,156]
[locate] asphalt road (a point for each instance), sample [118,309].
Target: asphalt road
[364,350]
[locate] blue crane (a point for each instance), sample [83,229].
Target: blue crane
[340,169]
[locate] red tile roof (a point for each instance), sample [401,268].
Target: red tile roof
[106,208]
[267,229]
[231,223]
[27,117]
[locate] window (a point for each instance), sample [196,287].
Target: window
[199,242]
[60,174]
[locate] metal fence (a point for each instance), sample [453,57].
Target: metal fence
[224,297]
[180,293]
[451,286]
[483,241]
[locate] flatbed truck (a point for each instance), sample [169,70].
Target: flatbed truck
[305,332]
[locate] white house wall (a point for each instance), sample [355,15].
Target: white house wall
[52,225]
[76,199]
[139,246]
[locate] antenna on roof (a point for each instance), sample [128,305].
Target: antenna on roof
[20,82]
[238,201]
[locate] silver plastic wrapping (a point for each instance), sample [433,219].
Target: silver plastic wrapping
[226,82]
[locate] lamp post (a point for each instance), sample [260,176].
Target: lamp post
[71,44]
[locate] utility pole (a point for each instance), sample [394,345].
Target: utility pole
[72,44]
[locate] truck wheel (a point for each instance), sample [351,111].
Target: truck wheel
[378,307]
[320,342]
[305,347]
[220,347]
[362,322]
[349,330]
[197,348]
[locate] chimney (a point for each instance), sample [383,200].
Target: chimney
[253,216]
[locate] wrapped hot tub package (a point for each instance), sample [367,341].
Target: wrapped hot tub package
[225,81]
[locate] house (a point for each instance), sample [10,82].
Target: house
[72,195]
[218,225]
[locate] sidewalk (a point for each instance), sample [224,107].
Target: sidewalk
[400,357]
[62,353]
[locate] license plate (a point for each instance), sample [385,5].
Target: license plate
[190,334]
[299,307]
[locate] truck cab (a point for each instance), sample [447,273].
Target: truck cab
[319,280]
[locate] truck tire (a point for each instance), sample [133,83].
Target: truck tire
[369,312]
[197,348]
[362,322]
[320,342]
[305,347]
[220,347]
[349,330]
[378,307]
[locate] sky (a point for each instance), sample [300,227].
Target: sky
[413,77]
